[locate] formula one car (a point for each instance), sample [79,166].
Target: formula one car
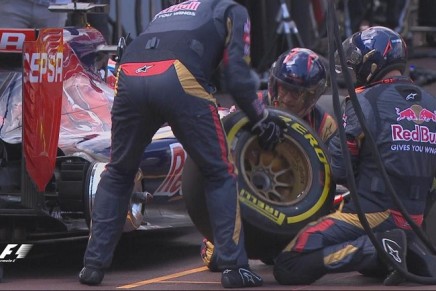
[55,142]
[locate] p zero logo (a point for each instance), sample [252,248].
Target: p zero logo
[313,142]
[44,66]
[13,252]
[12,40]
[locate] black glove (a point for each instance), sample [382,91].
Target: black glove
[269,130]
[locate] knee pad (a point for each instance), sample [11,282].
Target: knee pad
[293,268]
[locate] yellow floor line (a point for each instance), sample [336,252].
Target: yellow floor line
[163,278]
[188,282]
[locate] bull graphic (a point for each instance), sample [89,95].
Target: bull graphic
[426,115]
[408,114]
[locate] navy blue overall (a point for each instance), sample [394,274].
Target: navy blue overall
[165,76]
[402,119]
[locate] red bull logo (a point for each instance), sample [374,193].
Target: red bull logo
[185,8]
[418,134]
[416,114]
[173,180]
[426,115]
[408,114]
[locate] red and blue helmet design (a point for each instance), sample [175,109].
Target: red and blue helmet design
[301,72]
[373,52]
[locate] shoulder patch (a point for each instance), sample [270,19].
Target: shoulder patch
[327,128]
[409,93]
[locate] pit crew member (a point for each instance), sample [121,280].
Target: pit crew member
[165,76]
[297,80]
[399,115]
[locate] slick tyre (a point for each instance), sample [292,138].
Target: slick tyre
[279,191]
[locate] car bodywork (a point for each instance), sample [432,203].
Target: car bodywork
[55,140]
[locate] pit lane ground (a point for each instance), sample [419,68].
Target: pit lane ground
[164,260]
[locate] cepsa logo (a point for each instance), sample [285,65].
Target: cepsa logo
[12,252]
[45,66]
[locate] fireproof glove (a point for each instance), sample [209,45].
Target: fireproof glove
[269,130]
[208,256]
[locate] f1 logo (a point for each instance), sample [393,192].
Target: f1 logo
[19,251]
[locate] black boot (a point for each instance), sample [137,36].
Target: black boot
[240,277]
[90,276]
[394,243]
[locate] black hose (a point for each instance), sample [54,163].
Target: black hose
[138,16]
[333,37]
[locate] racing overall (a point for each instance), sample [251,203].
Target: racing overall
[402,119]
[164,76]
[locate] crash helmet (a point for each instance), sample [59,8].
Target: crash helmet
[297,80]
[371,53]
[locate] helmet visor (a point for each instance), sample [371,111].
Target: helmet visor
[297,100]
[353,58]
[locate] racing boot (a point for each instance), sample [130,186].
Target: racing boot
[394,279]
[394,243]
[91,276]
[239,278]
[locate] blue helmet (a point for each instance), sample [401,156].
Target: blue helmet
[301,73]
[373,52]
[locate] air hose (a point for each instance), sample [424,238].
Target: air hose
[334,41]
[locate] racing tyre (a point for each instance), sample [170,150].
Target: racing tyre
[280,191]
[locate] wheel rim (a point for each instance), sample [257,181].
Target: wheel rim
[281,177]
[136,210]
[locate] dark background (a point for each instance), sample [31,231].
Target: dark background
[266,16]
